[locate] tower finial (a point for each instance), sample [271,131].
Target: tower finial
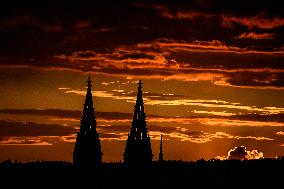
[89,81]
[140,84]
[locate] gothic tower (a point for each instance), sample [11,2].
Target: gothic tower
[87,150]
[161,155]
[138,149]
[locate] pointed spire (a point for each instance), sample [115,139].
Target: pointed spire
[138,128]
[89,85]
[87,150]
[88,121]
[138,146]
[161,155]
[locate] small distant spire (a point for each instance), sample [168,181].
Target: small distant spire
[161,156]
[89,81]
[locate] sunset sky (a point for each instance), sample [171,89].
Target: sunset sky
[213,74]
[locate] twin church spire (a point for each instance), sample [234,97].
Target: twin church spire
[87,149]
[138,149]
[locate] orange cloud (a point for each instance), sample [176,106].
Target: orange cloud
[233,122]
[257,36]
[110,130]
[200,136]
[220,122]
[218,113]
[258,21]
[168,59]
[168,45]
[30,141]
[180,133]
[191,15]
[144,55]
[177,100]
[280,133]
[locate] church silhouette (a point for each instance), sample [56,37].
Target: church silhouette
[87,150]
[138,151]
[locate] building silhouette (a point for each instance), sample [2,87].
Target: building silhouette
[87,150]
[161,155]
[138,149]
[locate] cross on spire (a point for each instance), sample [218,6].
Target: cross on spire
[140,84]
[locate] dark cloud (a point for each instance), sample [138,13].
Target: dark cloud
[259,21]
[241,153]
[19,22]
[114,128]
[46,112]
[161,39]
[15,128]
[65,113]
[238,153]
[261,79]
[64,27]
[153,128]
[259,117]
[276,117]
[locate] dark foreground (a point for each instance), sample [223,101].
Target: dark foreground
[168,174]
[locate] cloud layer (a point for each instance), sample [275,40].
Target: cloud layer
[169,99]
[187,61]
[112,126]
[241,153]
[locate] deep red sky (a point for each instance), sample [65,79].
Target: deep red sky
[212,73]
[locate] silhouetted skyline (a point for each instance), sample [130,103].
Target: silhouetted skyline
[212,75]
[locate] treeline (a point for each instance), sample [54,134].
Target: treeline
[166,174]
